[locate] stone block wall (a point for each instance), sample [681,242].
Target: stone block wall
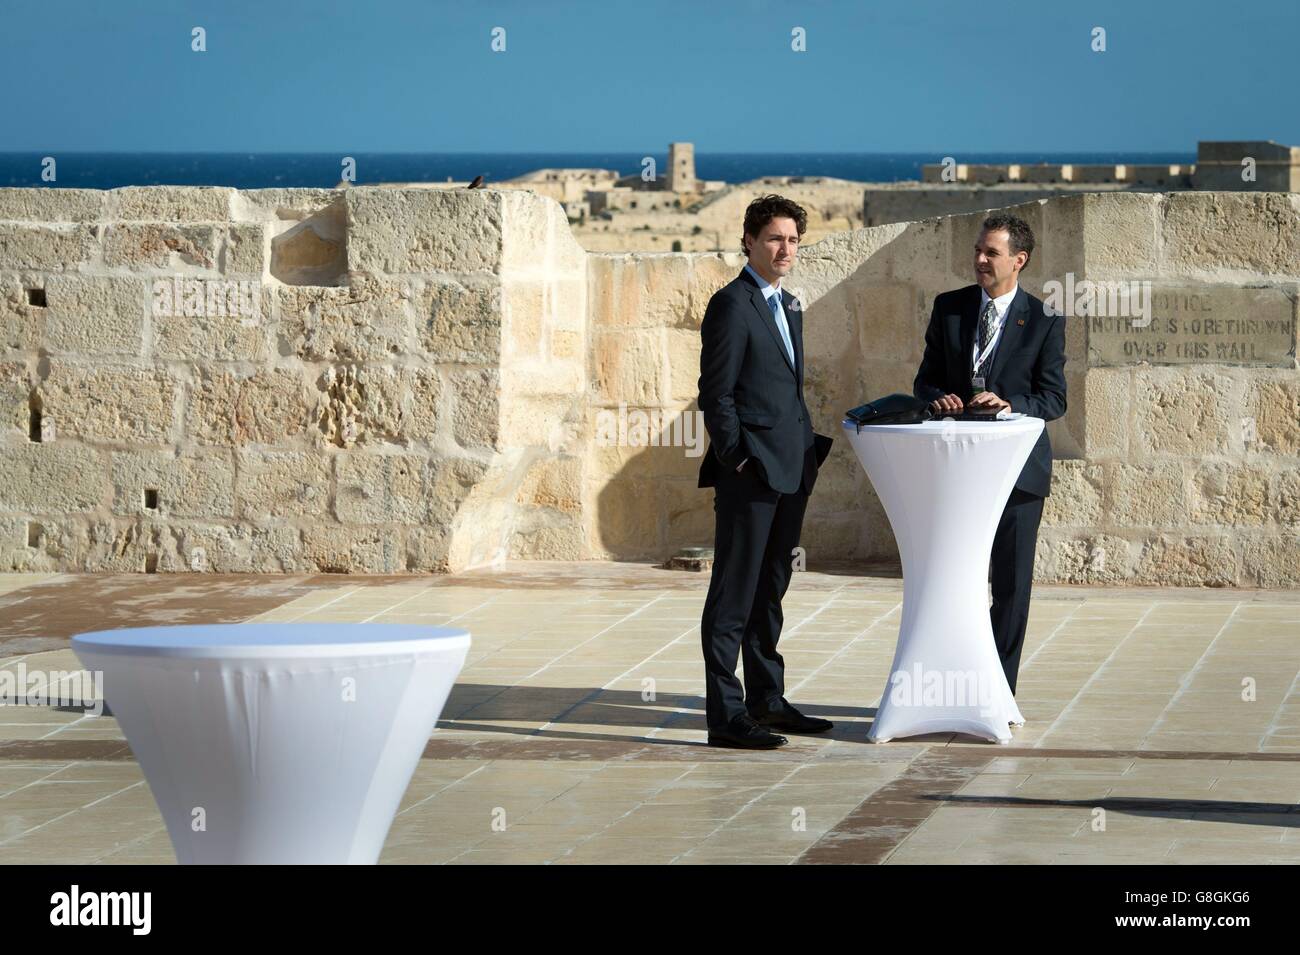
[431,380]
[1171,470]
[378,411]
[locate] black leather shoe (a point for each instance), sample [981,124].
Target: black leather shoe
[789,720]
[744,733]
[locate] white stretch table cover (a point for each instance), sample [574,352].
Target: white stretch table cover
[288,742]
[944,485]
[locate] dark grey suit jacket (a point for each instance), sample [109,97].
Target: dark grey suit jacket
[752,395]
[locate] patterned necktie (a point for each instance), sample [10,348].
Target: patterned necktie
[988,322]
[774,303]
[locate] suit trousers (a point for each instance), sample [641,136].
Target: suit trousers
[757,530]
[1012,577]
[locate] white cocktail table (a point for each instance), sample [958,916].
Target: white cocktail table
[277,742]
[944,485]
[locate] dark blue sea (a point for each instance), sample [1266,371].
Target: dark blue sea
[270,170]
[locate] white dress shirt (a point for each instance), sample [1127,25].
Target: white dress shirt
[783,326]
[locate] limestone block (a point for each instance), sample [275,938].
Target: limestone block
[156,246]
[1077,496]
[452,481]
[234,321]
[382,488]
[1088,559]
[1230,494]
[1121,234]
[370,319]
[402,231]
[192,484]
[1107,408]
[275,485]
[39,544]
[366,404]
[527,310]
[170,203]
[1284,497]
[476,407]
[254,205]
[550,422]
[244,251]
[542,378]
[95,316]
[57,478]
[426,549]
[834,393]
[1271,561]
[565,541]
[1178,561]
[568,305]
[1060,238]
[553,484]
[22,324]
[1273,414]
[461,321]
[110,403]
[683,346]
[709,273]
[46,248]
[629,366]
[1142,495]
[335,549]
[625,521]
[235,409]
[568,346]
[923,253]
[888,325]
[16,382]
[130,546]
[51,205]
[240,549]
[1182,412]
[1214,231]
[658,291]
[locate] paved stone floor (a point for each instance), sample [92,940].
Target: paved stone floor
[1141,744]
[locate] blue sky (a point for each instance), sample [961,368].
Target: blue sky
[878,76]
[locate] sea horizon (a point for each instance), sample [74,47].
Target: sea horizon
[256,170]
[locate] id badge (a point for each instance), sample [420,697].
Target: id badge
[978,384]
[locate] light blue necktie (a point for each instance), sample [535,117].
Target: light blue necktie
[774,303]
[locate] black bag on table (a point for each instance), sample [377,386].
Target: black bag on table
[892,409]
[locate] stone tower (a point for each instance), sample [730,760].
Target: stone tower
[681,167]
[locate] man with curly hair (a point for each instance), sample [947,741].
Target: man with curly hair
[762,463]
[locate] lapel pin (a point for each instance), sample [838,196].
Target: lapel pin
[1020,321]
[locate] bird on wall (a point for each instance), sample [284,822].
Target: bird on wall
[476,184]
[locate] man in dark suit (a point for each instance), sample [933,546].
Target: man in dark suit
[992,345]
[762,463]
